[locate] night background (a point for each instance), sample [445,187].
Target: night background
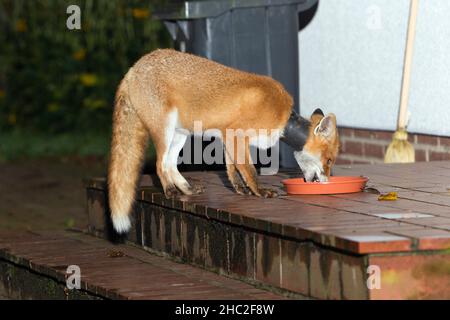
[381,67]
[57,85]
[57,90]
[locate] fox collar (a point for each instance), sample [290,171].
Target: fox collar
[296,131]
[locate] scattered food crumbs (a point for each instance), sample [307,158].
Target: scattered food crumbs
[391,196]
[115,254]
[371,190]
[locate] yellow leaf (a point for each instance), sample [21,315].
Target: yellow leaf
[53,107]
[94,104]
[141,13]
[79,55]
[12,119]
[21,25]
[115,254]
[390,277]
[391,196]
[70,223]
[88,79]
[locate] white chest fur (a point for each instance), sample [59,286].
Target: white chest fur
[265,139]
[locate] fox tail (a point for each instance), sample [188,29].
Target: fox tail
[129,141]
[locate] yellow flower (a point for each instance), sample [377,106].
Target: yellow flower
[88,79]
[21,25]
[141,13]
[79,55]
[94,104]
[12,119]
[53,107]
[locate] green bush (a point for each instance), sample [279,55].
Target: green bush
[56,80]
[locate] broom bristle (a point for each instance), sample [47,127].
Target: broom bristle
[400,150]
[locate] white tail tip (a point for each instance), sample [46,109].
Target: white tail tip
[122,223]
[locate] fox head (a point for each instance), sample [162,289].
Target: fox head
[320,150]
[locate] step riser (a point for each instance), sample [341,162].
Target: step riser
[270,259]
[299,267]
[35,266]
[19,283]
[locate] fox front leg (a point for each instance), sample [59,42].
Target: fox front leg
[247,172]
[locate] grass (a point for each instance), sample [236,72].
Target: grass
[21,144]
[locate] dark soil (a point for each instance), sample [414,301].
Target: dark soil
[45,194]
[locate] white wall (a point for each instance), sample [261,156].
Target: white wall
[351,60]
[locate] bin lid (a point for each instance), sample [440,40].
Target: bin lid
[184,10]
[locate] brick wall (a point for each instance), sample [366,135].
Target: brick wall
[369,146]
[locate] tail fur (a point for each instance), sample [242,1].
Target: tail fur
[129,141]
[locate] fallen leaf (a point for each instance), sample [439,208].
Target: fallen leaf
[115,254]
[70,223]
[391,196]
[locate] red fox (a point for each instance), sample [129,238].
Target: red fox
[166,91]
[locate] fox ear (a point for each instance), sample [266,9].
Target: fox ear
[326,126]
[319,112]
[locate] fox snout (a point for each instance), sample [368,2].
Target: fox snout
[311,166]
[321,148]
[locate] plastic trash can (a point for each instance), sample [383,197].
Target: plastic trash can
[259,36]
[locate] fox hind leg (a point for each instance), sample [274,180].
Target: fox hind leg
[178,180]
[168,146]
[162,141]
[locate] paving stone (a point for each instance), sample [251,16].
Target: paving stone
[315,245]
[124,277]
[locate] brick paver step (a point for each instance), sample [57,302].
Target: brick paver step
[107,271]
[320,246]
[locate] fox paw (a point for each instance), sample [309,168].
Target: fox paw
[268,193]
[171,192]
[196,189]
[241,189]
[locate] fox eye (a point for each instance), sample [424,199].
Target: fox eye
[329,161]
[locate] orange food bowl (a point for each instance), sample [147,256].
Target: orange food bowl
[335,185]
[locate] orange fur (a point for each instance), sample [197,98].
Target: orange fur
[166,86]
[326,147]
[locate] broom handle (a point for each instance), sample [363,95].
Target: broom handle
[403,111]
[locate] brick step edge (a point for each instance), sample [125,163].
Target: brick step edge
[34,266]
[276,262]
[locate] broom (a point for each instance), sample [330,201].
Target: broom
[400,150]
